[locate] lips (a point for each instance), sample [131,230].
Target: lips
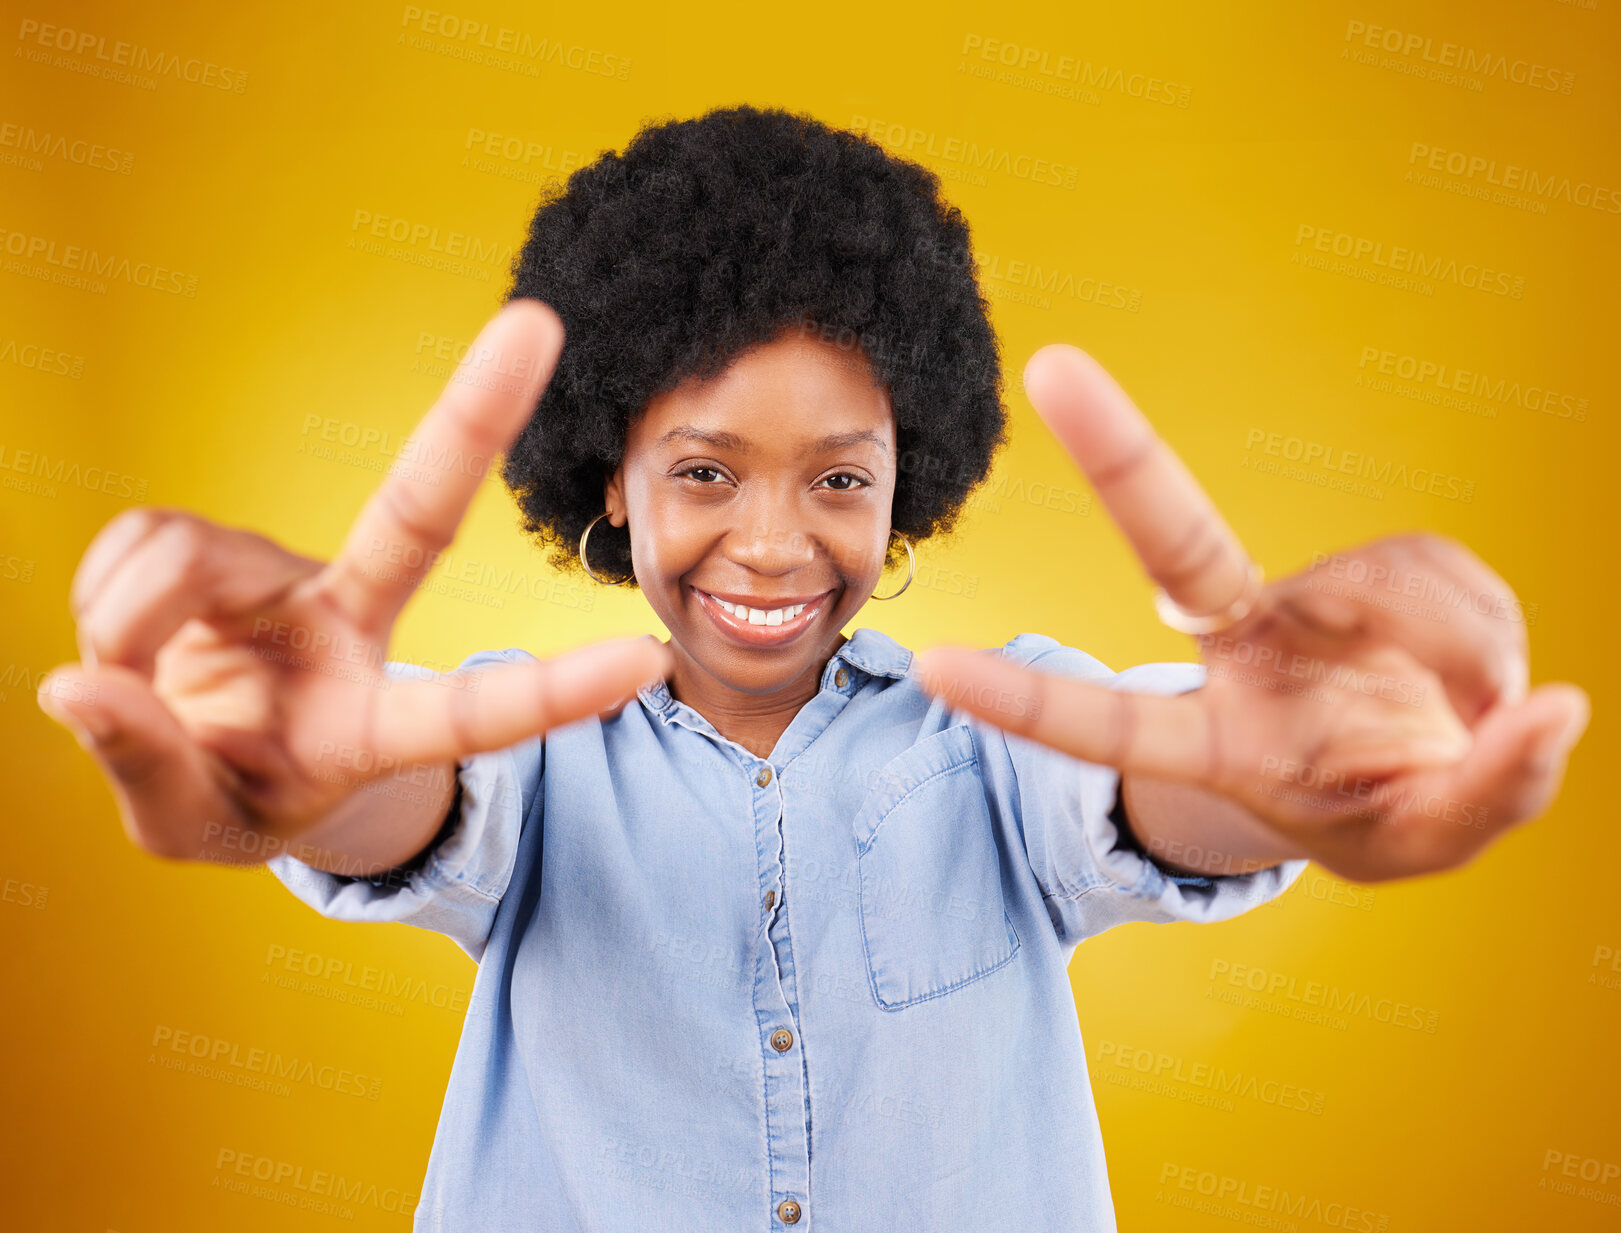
[739,628]
[763,602]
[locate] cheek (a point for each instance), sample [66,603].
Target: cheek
[864,556]
[666,540]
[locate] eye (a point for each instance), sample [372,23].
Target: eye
[694,472]
[847,476]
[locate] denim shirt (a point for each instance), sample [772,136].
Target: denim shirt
[824,990]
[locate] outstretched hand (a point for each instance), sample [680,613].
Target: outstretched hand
[228,685]
[1374,709]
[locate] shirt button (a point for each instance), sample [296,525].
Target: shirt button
[782,1040]
[764,777]
[770,898]
[788,1212]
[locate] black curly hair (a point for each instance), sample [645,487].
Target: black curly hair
[709,236]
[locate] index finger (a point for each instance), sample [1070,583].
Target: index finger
[413,515]
[1185,545]
[1167,736]
[461,713]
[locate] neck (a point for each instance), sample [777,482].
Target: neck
[755,721]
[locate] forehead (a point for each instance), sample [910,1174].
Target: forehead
[788,390]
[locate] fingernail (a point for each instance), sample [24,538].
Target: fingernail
[1578,725]
[91,724]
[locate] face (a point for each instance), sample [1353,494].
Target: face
[767,488]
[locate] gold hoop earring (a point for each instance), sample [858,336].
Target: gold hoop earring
[911,567]
[583,536]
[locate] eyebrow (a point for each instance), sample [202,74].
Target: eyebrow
[731,441]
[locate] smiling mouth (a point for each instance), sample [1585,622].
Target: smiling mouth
[761,626]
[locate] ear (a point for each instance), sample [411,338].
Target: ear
[613,496]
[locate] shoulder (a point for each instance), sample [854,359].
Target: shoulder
[880,655]
[511,655]
[407,670]
[1045,653]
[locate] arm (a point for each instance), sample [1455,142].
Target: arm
[1090,871]
[1189,831]
[458,877]
[391,830]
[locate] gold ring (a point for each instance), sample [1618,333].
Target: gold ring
[1215,622]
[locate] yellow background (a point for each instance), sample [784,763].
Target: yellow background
[204,399]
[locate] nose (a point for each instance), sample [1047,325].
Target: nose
[773,532]
[771,544]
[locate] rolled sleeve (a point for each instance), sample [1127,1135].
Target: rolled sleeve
[1093,876]
[459,888]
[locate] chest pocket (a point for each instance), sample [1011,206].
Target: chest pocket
[932,914]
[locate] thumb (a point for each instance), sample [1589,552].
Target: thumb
[158,774]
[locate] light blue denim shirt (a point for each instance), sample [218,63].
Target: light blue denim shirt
[824,990]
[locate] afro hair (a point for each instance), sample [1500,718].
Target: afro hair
[710,236]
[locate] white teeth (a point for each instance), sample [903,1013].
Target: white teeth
[759,616]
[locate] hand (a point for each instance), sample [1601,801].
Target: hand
[1372,712]
[230,685]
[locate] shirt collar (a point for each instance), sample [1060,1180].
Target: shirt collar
[875,653]
[867,650]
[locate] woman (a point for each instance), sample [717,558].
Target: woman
[785,941]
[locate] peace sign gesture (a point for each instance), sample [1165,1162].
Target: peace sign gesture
[233,690]
[1382,739]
